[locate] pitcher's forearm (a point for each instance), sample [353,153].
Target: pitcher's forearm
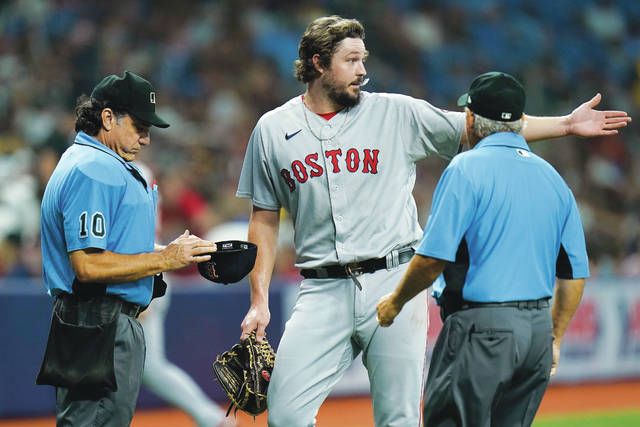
[538,128]
[263,231]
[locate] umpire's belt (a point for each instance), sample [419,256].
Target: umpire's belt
[130,309]
[534,304]
[392,260]
[127,308]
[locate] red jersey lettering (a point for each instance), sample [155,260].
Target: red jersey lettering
[316,169]
[353,160]
[333,156]
[370,161]
[288,180]
[299,171]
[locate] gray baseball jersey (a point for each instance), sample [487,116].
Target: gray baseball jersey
[347,182]
[347,185]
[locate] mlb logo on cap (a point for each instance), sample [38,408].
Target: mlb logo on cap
[496,96]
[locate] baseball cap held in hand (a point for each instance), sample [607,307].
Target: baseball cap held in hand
[230,263]
[131,93]
[496,96]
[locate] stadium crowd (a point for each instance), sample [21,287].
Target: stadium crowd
[219,65]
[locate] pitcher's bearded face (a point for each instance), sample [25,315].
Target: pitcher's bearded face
[342,80]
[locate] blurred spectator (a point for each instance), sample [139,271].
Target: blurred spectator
[182,205]
[606,20]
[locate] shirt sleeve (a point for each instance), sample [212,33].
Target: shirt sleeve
[572,261]
[88,208]
[451,215]
[256,182]
[438,131]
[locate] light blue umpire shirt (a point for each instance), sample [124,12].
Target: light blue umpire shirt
[95,199]
[518,217]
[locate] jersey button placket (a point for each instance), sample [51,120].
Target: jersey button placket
[336,197]
[325,131]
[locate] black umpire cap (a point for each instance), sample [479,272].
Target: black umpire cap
[496,96]
[230,263]
[130,93]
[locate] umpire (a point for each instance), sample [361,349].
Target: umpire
[518,225]
[99,257]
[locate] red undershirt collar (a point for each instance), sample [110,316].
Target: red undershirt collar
[326,116]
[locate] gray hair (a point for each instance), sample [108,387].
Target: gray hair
[483,127]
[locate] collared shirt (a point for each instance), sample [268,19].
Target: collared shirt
[95,199]
[347,182]
[517,216]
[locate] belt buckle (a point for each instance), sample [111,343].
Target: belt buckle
[528,305]
[354,269]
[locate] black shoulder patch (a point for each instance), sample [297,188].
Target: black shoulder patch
[563,265]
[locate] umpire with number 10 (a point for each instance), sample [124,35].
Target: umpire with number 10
[100,258]
[512,217]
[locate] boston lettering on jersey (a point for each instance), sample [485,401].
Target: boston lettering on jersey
[352,160]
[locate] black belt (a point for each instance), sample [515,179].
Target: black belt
[130,309]
[127,308]
[534,304]
[338,271]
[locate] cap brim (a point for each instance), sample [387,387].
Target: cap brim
[151,118]
[462,101]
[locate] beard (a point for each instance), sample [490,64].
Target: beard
[339,94]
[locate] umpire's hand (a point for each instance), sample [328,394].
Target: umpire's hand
[556,355]
[185,250]
[388,308]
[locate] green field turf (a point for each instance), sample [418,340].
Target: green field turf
[596,419]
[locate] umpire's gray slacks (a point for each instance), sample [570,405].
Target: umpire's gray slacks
[490,367]
[108,409]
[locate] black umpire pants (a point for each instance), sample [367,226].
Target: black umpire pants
[490,367]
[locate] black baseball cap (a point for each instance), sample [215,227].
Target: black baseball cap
[230,263]
[496,96]
[131,93]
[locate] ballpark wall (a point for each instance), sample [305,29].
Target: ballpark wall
[603,342]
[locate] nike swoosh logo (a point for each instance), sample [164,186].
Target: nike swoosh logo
[288,136]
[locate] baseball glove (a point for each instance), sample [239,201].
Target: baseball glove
[244,371]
